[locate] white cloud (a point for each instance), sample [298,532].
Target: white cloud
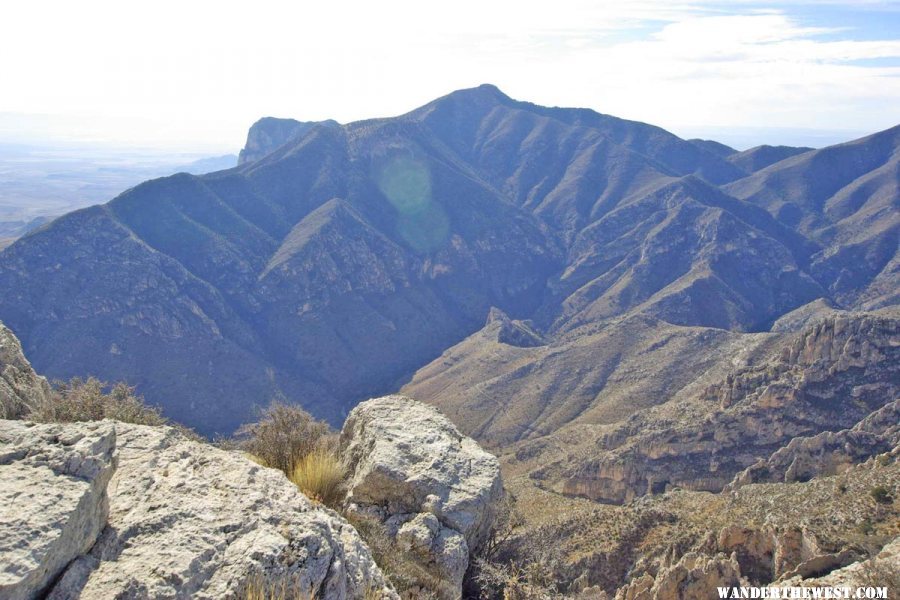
[203,71]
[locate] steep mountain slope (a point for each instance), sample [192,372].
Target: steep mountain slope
[689,254]
[568,166]
[599,374]
[336,260]
[640,408]
[324,272]
[847,199]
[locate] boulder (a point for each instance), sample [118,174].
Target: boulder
[189,520]
[53,499]
[20,387]
[435,490]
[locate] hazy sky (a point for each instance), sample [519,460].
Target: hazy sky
[195,74]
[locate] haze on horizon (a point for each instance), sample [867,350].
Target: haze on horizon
[196,75]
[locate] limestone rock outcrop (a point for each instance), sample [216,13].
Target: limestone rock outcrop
[829,452]
[183,519]
[836,373]
[770,554]
[20,387]
[512,332]
[434,489]
[53,499]
[694,577]
[883,569]
[188,519]
[269,133]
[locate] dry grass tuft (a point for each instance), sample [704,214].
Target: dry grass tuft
[283,587]
[283,436]
[320,475]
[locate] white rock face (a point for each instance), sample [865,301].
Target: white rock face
[185,520]
[871,572]
[53,502]
[435,490]
[694,576]
[20,387]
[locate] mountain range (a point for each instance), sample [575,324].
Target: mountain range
[527,269]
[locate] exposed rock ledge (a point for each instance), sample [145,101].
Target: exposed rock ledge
[53,500]
[835,374]
[434,489]
[20,387]
[185,519]
[695,575]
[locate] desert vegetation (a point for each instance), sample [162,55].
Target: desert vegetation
[283,436]
[84,400]
[289,439]
[320,475]
[94,400]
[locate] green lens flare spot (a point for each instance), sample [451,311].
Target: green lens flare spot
[406,183]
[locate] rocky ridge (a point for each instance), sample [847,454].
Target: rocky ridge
[401,234]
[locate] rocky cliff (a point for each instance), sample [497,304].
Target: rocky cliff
[269,133]
[829,452]
[829,377]
[20,387]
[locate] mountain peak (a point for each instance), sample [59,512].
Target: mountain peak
[486,89]
[483,97]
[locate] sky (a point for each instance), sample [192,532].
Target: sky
[194,75]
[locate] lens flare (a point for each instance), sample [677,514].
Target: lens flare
[422,222]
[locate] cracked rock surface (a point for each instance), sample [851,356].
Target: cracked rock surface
[53,499]
[434,489]
[176,518]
